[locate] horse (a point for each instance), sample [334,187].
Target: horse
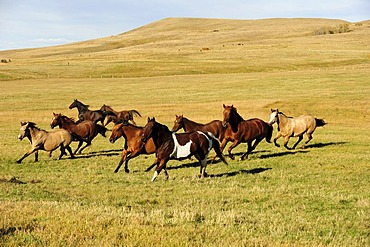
[294,127]
[179,146]
[85,114]
[116,116]
[243,131]
[215,127]
[84,131]
[133,145]
[44,140]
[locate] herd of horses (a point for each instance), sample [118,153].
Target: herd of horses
[197,139]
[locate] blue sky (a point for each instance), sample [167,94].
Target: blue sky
[39,23]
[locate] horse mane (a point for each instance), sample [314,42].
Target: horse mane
[233,109]
[69,119]
[33,125]
[86,106]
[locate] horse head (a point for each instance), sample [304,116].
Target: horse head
[274,116]
[178,123]
[24,131]
[117,132]
[56,120]
[74,104]
[148,129]
[228,110]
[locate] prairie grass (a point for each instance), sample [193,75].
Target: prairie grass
[318,196]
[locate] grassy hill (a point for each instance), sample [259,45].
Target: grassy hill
[315,196]
[177,46]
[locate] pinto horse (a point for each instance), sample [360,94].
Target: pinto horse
[215,127]
[85,114]
[84,131]
[118,116]
[294,127]
[241,131]
[133,145]
[44,140]
[179,146]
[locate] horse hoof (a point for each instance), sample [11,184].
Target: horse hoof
[19,161]
[127,170]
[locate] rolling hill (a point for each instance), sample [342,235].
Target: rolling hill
[176,46]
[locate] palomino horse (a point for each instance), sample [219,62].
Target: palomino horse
[85,114]
[294,127]
[118,116]
[215,127]
[241,131]
[179,146]
[44,140]
[133,145]
[84,131]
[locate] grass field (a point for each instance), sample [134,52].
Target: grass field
[318,196]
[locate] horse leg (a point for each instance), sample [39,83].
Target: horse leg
[123,158]
[251,148]
[222,147]
[78,147]
[286,140]
[161,165]
[299,140]
[62,151]
[37,155]
[26,154]
[70,151]
[232,146]
[309,136]
[88,143]
[275,139]
[203,166]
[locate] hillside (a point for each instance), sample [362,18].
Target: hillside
[199,46]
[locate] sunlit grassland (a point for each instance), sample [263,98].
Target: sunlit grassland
[318,196]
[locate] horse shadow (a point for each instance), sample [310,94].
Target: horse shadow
[243,171]
[321,145]
[266,156]
[107,153]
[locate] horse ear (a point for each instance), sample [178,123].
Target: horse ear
[153,119]
[23,123]
[224,105]
[176,116]
[148,119]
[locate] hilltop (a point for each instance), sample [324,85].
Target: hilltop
[176,46]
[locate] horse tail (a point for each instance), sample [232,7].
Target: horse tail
[216,147]
[270,129]
[132,112]
[320,122]
[101,129]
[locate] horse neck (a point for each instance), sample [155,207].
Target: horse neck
[162,135]
[235,119]
[33,133]
[131,131]
[66,123]
[81,108]
[282,119]
[111,109]
[189,125]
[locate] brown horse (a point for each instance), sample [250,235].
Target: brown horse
[118,116]
[84,131]
[85,114]
[215,127]
[133,145]
[241,131]
[44,140]
[179,146]
[294,127]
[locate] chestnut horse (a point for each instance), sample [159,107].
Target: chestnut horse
[241,131]
[294,127]
[179,146]
[215,127]
[85,114]
[133,145]
[118,116]
[84,131]
[44,140]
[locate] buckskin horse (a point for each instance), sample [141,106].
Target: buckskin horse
[215,127]
[84,131]
[44,140]
[85,114]
[294,127]
[179,146]
[118,116]
[133,145]
[243,131]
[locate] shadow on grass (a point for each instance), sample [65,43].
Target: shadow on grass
[106,153]
[321,145]
[231,174]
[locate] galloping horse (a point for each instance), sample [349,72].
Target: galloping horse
[294,127]
[133,145]
[117,116]
[85,114]
[215,127]
[84,131]
[241,131]
[44,140]
[179,146]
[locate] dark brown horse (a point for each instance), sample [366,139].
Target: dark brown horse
[133,145]
[85,114]
[179,146]
[241,131]
[84,131]
[118,116]
[44,140]
[215,127]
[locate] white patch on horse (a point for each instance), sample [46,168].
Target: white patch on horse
[210,144]
[180,151]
